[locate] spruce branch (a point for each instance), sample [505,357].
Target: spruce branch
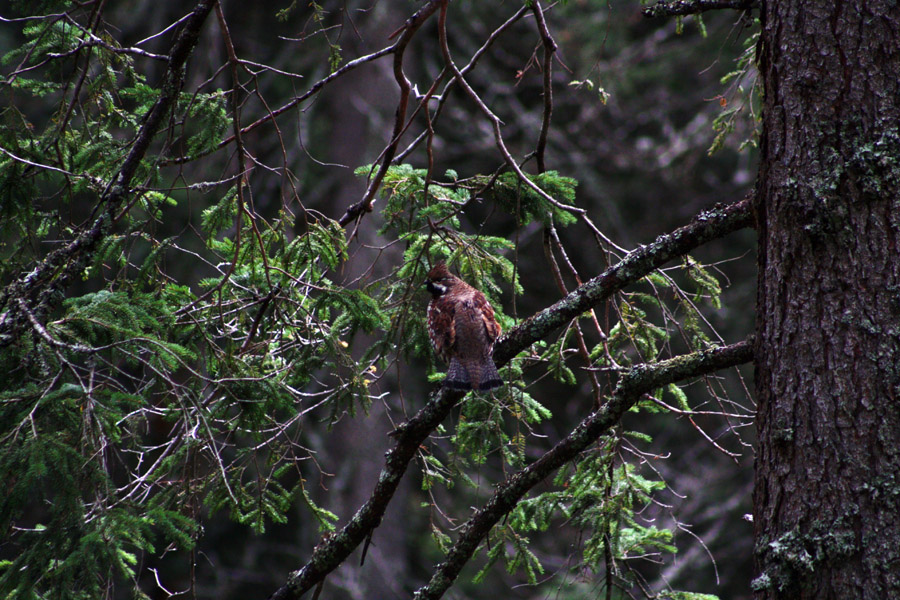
[640,380]
[41,288]
[706,226]
[334,550]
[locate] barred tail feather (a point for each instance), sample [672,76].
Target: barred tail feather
[489,377]
[457,376]
[481,375]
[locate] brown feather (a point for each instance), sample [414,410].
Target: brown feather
[462,328]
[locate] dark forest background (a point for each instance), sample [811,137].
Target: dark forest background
[655,120]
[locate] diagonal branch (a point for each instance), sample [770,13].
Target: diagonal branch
[333,551]
[639,380]
[40,289]
[271,115]
[706,226]
[330,553]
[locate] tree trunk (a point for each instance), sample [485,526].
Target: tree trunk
[827,490]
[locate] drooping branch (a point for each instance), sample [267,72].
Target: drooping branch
[679,8]
[639,380]
[41,288]
[549,49]
[330,553]
[409,29]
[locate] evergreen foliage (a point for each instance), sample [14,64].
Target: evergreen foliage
[154,396]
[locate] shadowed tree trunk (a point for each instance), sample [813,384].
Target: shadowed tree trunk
[827,494]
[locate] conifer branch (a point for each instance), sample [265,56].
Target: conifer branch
[706,226]
[640,380]
[678,8]
[41,289]
[332,552]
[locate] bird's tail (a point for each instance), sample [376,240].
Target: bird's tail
[480,375]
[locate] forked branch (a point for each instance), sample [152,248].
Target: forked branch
[640,380]
[333,551]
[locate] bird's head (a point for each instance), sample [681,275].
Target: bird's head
[439,280]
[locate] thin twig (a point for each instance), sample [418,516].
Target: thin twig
[639,380]
[494,119]
[333,551]
[272,114]
[442,99]
[579,336]
[549,49]
[409,29]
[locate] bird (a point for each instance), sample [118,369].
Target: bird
[462,329]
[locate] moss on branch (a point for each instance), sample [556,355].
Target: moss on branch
[707,226]
[638,381]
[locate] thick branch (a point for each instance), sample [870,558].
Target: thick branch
[706,226]
[640,380]
[679,8]
[40,288]
[333,551]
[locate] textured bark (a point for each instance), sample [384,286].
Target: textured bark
[827,490]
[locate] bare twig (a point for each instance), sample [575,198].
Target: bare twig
[474,60]
[409,29]
[272,114]
[494,119]
[549,50]
[550,240]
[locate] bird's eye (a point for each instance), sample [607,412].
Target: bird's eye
[436,288]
